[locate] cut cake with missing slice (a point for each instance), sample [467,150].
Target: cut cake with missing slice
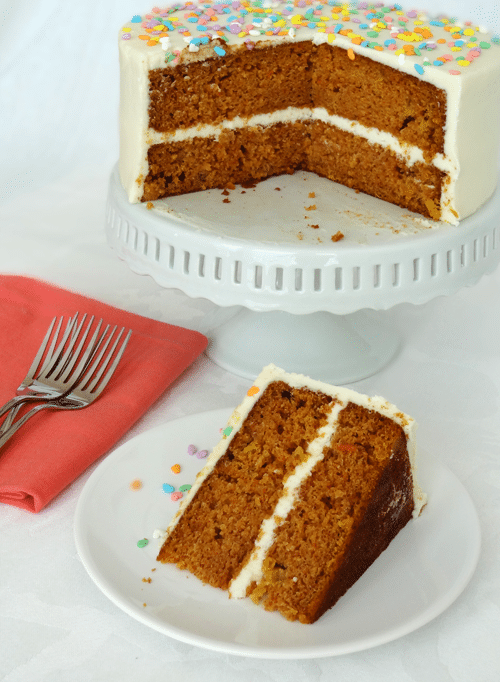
[398,104]
[308,485]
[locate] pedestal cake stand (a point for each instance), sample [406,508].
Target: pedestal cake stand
[288,293]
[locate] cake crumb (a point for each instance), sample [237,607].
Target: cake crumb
[337,236]
[149,205]
[310,208]
[226,201]
[314,227]
[312,195]
[146,580]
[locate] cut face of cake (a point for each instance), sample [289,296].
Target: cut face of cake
[308,485]
[398,105]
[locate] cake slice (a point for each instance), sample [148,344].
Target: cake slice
[308,485]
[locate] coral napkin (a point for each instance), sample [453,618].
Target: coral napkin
[54,448]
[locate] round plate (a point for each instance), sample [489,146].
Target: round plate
[422,572]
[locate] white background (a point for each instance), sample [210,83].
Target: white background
[58,143]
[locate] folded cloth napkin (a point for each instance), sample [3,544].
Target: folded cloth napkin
[55,447]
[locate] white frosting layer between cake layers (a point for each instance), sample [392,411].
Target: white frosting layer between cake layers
[252,570]
[342,396]
[469,73]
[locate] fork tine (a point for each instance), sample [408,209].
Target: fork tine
[71,355]
[90,374]
[114,365]
[87,355]
[43,346]
[67,355]
[91,380]
[49,368]
[51,353]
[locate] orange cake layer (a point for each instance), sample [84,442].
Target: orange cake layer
[247,83]
[260,152]
[355,162]
[378,96]
[309,484]
[270,79]
[236,156]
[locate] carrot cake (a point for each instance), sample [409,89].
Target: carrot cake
[308,485]
[397,104]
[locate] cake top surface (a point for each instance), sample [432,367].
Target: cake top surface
[418,43]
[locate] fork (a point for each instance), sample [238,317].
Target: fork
[56,374]
[90,385]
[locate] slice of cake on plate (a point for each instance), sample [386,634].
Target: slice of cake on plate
[308,485]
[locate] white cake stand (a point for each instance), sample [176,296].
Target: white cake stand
[303,301]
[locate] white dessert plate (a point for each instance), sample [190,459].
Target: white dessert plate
[421,574]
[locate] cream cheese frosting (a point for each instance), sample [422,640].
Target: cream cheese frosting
[457,57]
[342,396]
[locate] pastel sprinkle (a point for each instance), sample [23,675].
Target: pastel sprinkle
[176,469]
[227,431]
[192,449]
[367,24]
[202,454]
[253,390]
[167,488]
[136,484]
[175,496]
[143,542]
[184,488]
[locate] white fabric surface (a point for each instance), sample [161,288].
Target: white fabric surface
[59,94]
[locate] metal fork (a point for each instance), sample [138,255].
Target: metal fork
[58,371]
[89,387]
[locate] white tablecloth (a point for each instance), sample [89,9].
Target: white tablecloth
[59,143]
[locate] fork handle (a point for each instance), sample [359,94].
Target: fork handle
[9,405]
[20,422]
[18,400]
[13,407]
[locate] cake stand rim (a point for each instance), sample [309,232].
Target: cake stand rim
[425,245]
